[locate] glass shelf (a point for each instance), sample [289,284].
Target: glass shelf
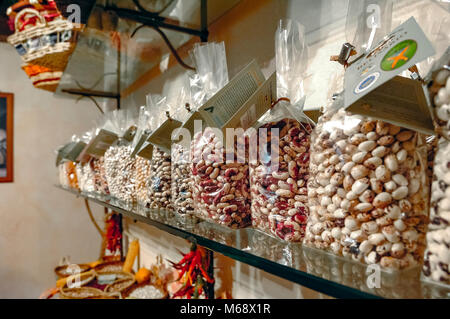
[320,271]
[107,39]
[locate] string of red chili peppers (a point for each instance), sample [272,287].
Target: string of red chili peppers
[113,233]
[191,273]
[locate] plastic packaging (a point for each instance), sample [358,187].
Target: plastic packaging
[367,22]
[437,255]
[159,191]
[119,165]
[278,190]
[85,171]
[141,174]
[181,176]
[62,175]
[368,191]
[221,186]
[100,182]
[68,175]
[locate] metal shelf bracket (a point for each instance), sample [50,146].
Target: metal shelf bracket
[156,22]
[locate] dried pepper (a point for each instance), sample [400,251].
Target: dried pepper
[192,273]
[113,233]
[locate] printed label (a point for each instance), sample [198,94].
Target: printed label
[162,136]
[146,151]
[375,76]
[258,104]
[99,144]
[224,105]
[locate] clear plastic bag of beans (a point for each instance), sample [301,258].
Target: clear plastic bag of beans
[279,186]
[85,171]
[142,180]
[210,76]
[437,255]
[141,174]
[221,183]
[85,175]
[119,169]
[63,176]
[119,165]
[160,180]
[100,182]
[68,174]
[221,190]
[368,191]
[181,176]
[159,185]
[279,176]
[182,181]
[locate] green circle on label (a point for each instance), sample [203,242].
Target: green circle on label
[398,55]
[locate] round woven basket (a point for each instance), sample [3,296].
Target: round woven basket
[61,271]
[127,292]
[109,266]
[81,293]
[120,284]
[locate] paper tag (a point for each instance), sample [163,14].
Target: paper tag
[218,110]
[372,87]
[62,152]
[146,151]
[99,144]
[258,104]
[400,101]
[162,136]
[75,151]
[70,152]
[313,114]
[142,139]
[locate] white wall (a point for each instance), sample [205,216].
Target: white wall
[39,223]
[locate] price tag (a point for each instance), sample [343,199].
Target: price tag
[70,152]
[162,136]
[223,106]
[146,151]
[142,139]
[99,144]
[255,107]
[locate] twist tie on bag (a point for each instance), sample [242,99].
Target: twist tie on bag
[279,100]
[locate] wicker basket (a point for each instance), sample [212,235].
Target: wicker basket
[42,35]
[127,292]
[62,273]
[120,284]
[81,293]
[85,278]
[109,266]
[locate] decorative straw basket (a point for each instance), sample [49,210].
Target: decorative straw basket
[42,77]
[81,293]
[138,291]
[62,271]
[42,35]
[109,266]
